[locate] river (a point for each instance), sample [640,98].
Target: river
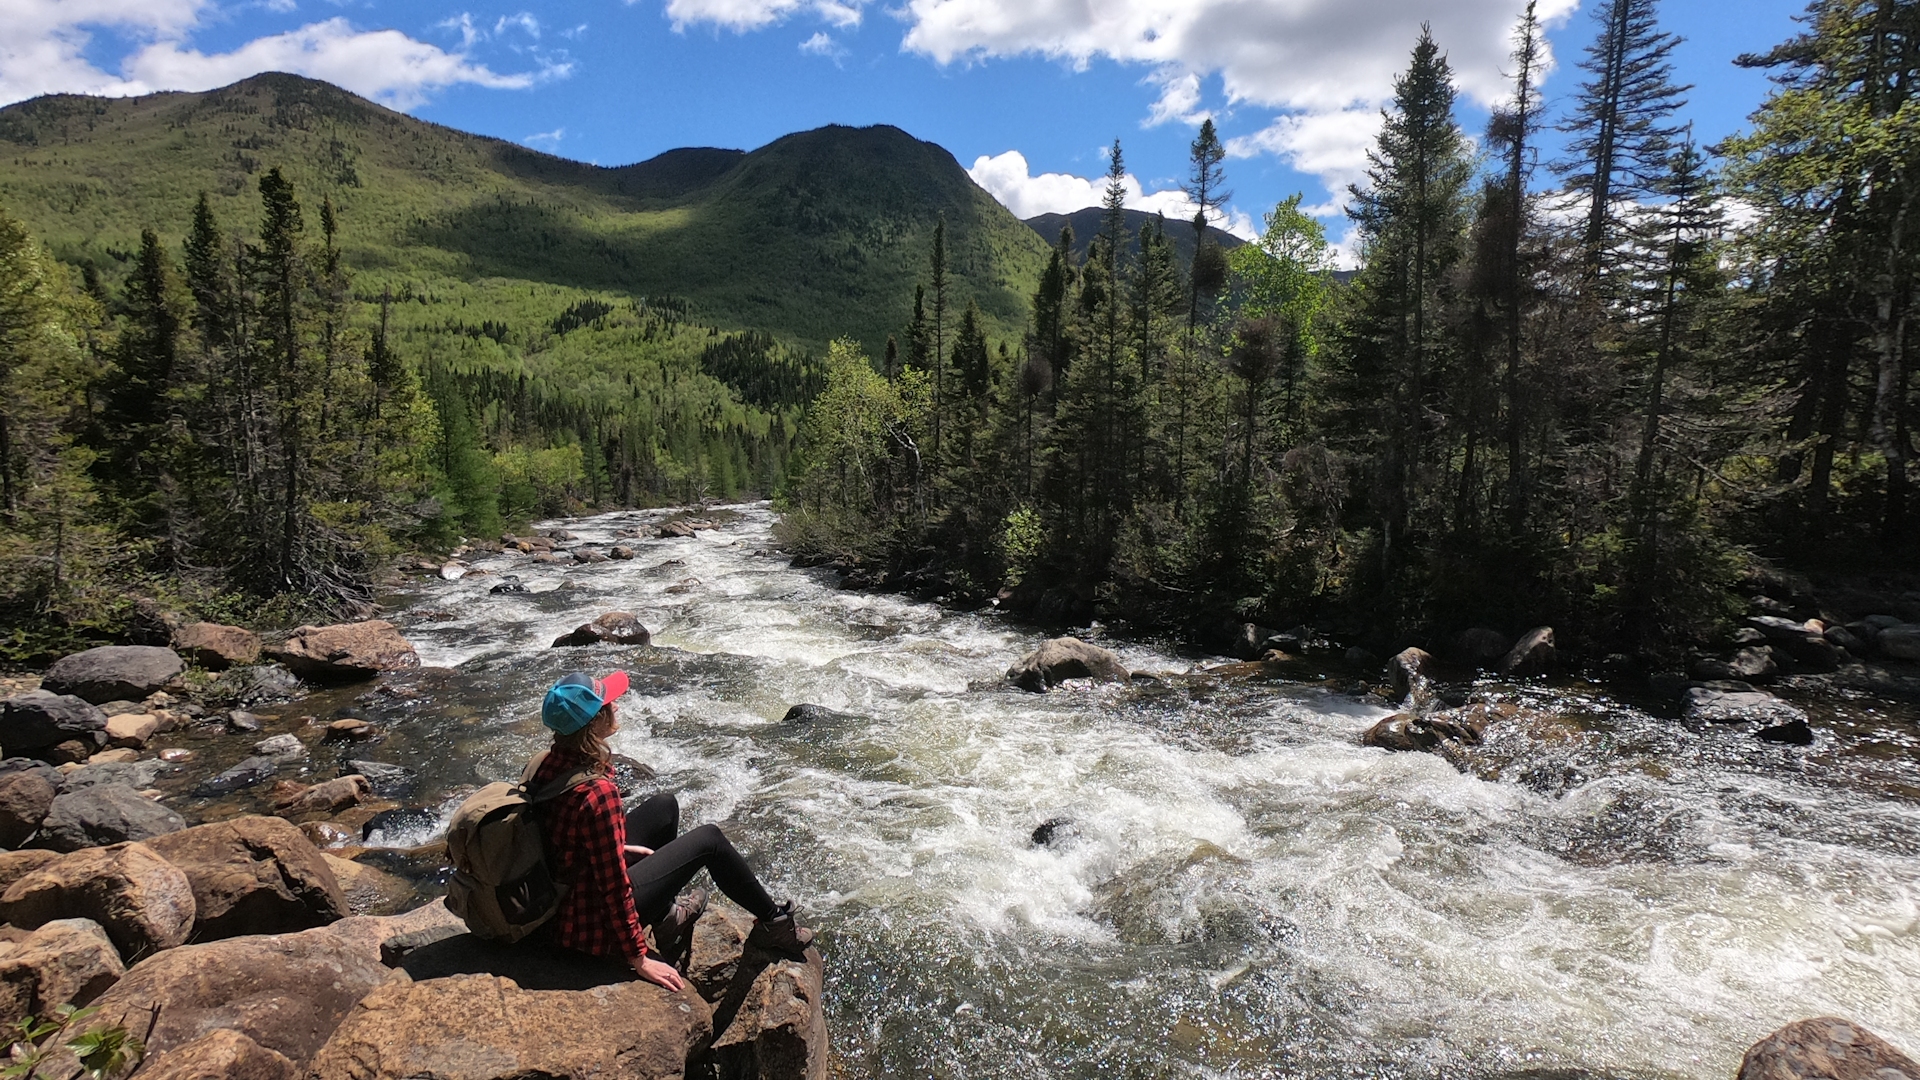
[1243,890]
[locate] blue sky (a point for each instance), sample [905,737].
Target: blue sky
[1025,93]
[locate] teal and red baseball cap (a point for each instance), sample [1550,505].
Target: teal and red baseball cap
[577,697]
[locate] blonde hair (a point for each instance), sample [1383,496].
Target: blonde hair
[588,742]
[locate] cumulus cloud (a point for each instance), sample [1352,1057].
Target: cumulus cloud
[744,15]
[1009,179]
[822,44]
[44,51]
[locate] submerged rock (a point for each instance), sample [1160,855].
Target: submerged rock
[613,628]
[1709,705]
[387,781]
[1829,1048]
[1062,658]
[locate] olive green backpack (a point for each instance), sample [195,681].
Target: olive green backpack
[502,883]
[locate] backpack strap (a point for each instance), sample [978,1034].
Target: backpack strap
[553,790]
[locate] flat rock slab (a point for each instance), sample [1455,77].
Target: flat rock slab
[286,992]
[114,672]
[1826,1048]
[486,1027]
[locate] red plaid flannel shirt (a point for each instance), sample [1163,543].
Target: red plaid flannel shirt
[586,834]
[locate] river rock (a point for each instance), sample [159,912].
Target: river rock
[283,746]
[133,774]
[25,798]
[1480,647]
[588,555]
[1062,658]
[220,1054]
[132,730]
[250,772]
[41,718]
[1753,664]
[1053,831]
[65,961]
[1410,672]
[286,992]
[1791,733]
[1899,642]
[676,530]
[769,1018]
[620,552]
[1706,705]
[326,797]
[485,1027]
[216,647]
[15,865]
[1533,654]
[104,814]
[613,628]
[369,889]
[346,651]
[144,902]
[387,781]
[111,672]
[1248,640]
[253,875]
[350,729]
[815,714]
[243,722]
[1406,731]
[1827,1048]
[1854,642]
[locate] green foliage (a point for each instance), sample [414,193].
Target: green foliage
[104,1052]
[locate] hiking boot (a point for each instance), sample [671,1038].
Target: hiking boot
[675,932]
[780,932]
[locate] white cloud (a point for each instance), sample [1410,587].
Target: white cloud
[822,44]
[1179,98]
[550,139]
[44,51]
[523,20]
[744,15]
[1331,145]
[1009,179]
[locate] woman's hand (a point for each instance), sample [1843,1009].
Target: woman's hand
[636,849]
[658,973]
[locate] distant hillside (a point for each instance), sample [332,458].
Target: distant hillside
[813,236]
[1087,222]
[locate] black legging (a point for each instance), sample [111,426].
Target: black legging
[659,877]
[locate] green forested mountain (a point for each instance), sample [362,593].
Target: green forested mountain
[1085,223]
[806,238]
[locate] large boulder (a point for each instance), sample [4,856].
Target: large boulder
[144,902]
[1062,658]
[1463,727]
[1901,642]
[1826,1048]
[1533,654]
[220,1054]
[66,961]
[41,718]
[25,798]
[1751,664]
[1480,647]
[1410,672]
[104,814]
[613,628]
[216,647]
[486,1027]
[286,992]
[769,1015]
[253,875]
[113,672]
[326,797]
[345,652]
[15,865]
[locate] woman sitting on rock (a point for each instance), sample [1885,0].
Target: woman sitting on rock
[615,884]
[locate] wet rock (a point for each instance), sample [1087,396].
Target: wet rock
[630,775]
[387,781]
[1248,640]
[507,587]
[286,992]
[1357,657]
[1533,654]
[104,814]
[1750,664]
[326,797]
[620,552]
[142,901]
[328,834]
[282,746]
[613,628]
[1845,637]
[815,714]
[368,889]
[251,772]
[25,798]
[768,1017]
[1464,726]
[1052,831]
[1062,658]
[676,530]
[1899,642]
[216,647]
[242,721]
[1708,705]
[485,1027]
[65,961]
[1791,733]
[389,824]
[682,587]
[113,671]
[174,755]
[1827,1048]
[586,556]
[1480,647]
[220,1054]
[41,719]
[253,875]
[351,729]
[132,730]
[345,652]
[1410,672]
